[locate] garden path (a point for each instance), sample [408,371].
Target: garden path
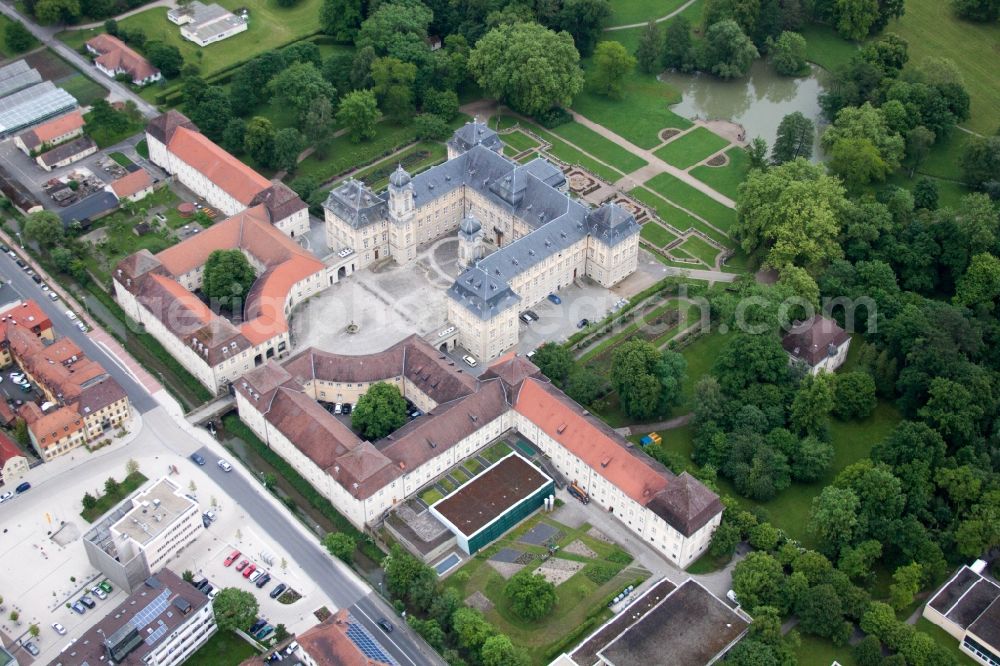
[659,20]
[158,3]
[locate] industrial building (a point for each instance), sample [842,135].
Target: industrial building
[32,105]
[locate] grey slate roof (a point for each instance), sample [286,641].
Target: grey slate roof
[87,209]
[472,134]
[612,224]
[483,294]
[355,203]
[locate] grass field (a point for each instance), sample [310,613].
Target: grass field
[725,179]
[565,152]
[676,217]
[107,501]
[687,197]
[518,141]
[691,148]
[341,154]
[601,148]
[932,30]
[225,648]
[270,26]
[826,48]
[640,116]
[943,159]
[656,234]
[701,250]
[626,12]
[5,51]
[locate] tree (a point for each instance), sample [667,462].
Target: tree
[111,486]
[131,467]
[925,193]
[612,63]
[89,501]
[442,103]
[855,18]
[724,540]
[857,162]
[531,596]
[810,459]
[429,126]
[758,580]
[341,19]
[498,650]
[49,12]
[834,518]
[340,545]
[234,136]
[555,361]
[429,630]
[379,411]
[821,614]
[866,123]
[393,80]
[44,228]
[18,38]
[982,11]
[648,381]
[471,628]
[288,143]
[857,562]
[794,139]
[528,67]
[918,145]
[212,112]
[300,85]
[227,279]
[790,215]
[980,286]
[397,29]
[906,582]
[981,164]
[585,386]
[677,44]
[165,57]
[649,54]
[14,616]
[853,395]
[726,51]
[187,576]
[756,152]
[234,609]
[258,140]
[788,54]
[34,630]
[812,404]
[584,20]
[749,359]
[359,113]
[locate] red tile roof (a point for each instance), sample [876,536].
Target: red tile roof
[8,449]
[53,129]
[26,314]
[225,171]
[116,55]
[814,340]
[329,645]
[134,182]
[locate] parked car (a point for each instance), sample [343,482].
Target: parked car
[583,323]
[232,557]
[205,520]
[71,315]
[249,570]
[385,624]
[99,593]
[555,299]
[532,314]
[23,488]
[226,467]
[106,586]
[83,327]
[258,625]
[255,575]
[6,496]
[78,607]
[61,630]
[524,317]
[212,594]
[208,589]
[338,408]
[263,580]
[346,408]
[20,263]
[264,632]
[88,602]
[242,565]
[53,296]
[469,361]
[32,648]
[198,458]
[278,590]
[4,248]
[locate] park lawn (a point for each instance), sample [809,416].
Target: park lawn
[271,26]
[725,179]
[601,148]
[691,148]
[815,651]
[674,216]
[518,141]
[5,51]
[698,248]
[656,234]
[950,192]
[943,159]
[225,648]
[932,30]
[640,116]
[826,48]
[108,501]
[944,639]
[700,356]
[691,199]
[627,12]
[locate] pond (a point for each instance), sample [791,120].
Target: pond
[758,102]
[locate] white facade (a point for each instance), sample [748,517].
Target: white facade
[185,640]
[830,363]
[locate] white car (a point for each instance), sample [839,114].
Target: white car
[83,327]
[71,315]
[61,630]
[53,296]
[226,467]
[214,593]
[255,575]
[6,496]
[469,361]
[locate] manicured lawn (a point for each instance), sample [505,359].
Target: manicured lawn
[656,234]
[601,148]
[816,651]
[932,30]
[640,115]
[700,356]
[431,496]
[225,648]
[496,452]
[142,148]
[5,51]
[691,148]
[271,26]
[676,217]
[341,155]
[518,141]
[944,639]
[626,12]
[701,250]
[562,150]
[83,88]
[107,501]
[120,159]
[826,48]
[725,179]
[687,197]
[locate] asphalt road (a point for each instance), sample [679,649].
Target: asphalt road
[406,647]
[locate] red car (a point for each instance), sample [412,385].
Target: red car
[249,570]
[242,565]
[232,557]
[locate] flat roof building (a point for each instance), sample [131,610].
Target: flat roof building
[162,623]
[143,533]
[493,502]
[206,24]
[33,105]
[968,608]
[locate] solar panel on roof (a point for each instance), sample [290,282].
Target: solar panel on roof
[360,637]
[157,634]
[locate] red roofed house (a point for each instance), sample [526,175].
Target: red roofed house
[676,515]
[114,57]
[50,133]
[157,291]
[133,187]
[819,343]
[226,183]
[13,463]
